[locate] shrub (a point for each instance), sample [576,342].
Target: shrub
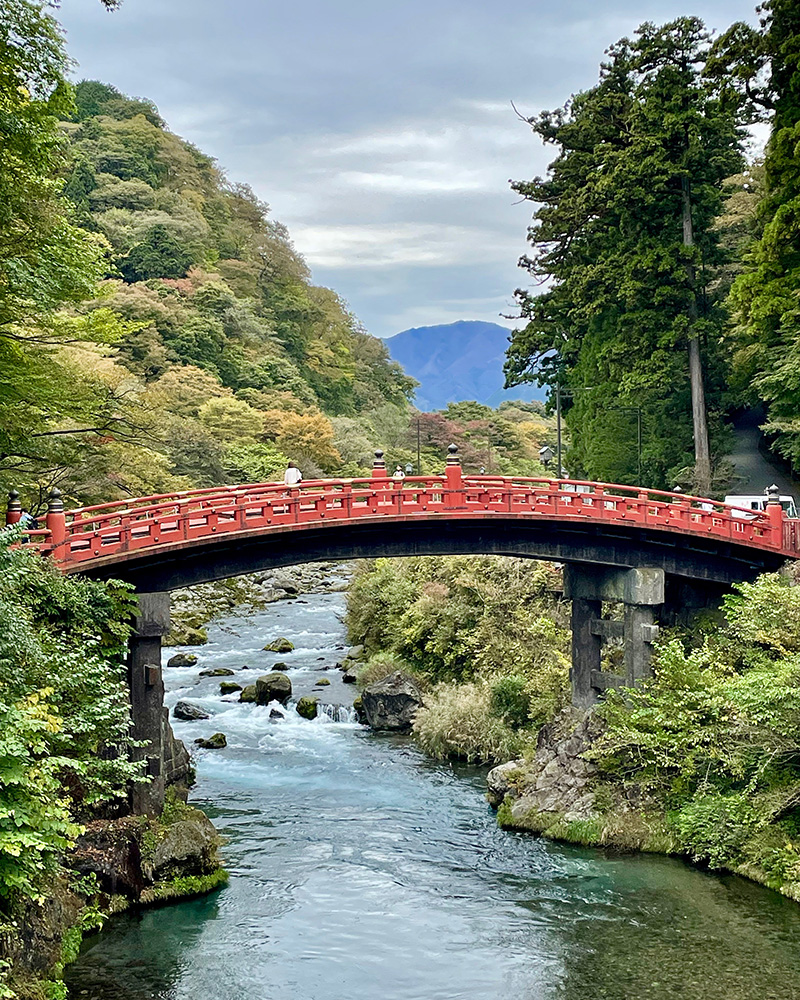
[510,700]
[457,721]
[379,666]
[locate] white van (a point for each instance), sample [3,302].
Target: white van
[760,503]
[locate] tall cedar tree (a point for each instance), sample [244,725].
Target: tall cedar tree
[623,238]
[766,297]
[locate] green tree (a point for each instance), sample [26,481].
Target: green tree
[766,64]
[624,233]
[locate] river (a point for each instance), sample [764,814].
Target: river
[359,868]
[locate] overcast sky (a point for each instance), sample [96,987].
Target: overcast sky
[381,134]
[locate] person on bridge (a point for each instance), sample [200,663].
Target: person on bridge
[398,473]
[292,476]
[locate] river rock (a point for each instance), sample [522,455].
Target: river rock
[248,693]
[499,781]
[322,682]
[275,714]
[391,703]
[350,676]
[215,742]
[280,665]
[229,687]
[182,660]
[307,707]
[217,672]
[355,653]
[188,847]
[273,687]
[189,713]
[281,645]
[286,582]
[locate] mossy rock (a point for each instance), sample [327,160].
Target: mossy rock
[182,660]
[358,706]
[248,693]
[217,672]
[281,645]
[229,687]
[280,665]
[322,682]
[187,636]
[307,707]
[273,687]
[216,742]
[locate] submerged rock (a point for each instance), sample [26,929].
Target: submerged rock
[307,707]
[280,665]
[391,703]
[281,645]
[182,660]
[322,682]
[273,687]
[215,742]
[248,693]
[217,672]
[275,714]
[189,713]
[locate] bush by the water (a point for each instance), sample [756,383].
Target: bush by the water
[715,736]
[457,721]
[64,720]
[496,626]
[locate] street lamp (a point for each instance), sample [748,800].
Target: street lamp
[409,468]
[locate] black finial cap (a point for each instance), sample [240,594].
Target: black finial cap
[55,504]
[13,501]
[379,462]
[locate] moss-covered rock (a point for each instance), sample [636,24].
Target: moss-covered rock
[182,660]
[248,693]
[322,682]
[280,645]
[273,687]
[307,707]
[217,672]
[216,742]
[229,687]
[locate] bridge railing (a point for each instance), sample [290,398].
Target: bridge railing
[119,527]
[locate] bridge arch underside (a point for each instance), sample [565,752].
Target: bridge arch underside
[712,562]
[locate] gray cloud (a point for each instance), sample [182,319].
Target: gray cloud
[381,134]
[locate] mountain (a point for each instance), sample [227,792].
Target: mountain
[457,361]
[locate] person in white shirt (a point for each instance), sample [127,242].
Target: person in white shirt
[398,473]
[292,476]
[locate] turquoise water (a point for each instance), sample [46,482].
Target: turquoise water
[360,869]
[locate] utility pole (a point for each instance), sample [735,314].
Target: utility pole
[702,453]
[558,430]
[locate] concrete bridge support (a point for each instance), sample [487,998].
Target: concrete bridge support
[642,592]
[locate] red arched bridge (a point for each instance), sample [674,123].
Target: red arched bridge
[163,542]
[658,554]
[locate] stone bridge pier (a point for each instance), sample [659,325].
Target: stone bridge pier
[165,760]
[649,597]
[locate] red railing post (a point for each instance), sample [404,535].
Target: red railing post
[776,514]
[453,478]
[14,508]
[56,521]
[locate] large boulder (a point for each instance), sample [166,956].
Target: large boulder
[229,687]
[188,712]
[392,702]
[182,660]
[216,742]
[307,707]
[280,645]
[248,693]
[273,687]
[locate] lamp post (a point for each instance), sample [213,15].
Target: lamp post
[409,468]
[546,456]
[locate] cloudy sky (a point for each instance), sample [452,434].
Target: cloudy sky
[381,133]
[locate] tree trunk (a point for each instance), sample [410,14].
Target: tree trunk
[702,454]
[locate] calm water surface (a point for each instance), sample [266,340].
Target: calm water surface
[359,869]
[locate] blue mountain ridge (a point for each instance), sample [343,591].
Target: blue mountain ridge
[456,361]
